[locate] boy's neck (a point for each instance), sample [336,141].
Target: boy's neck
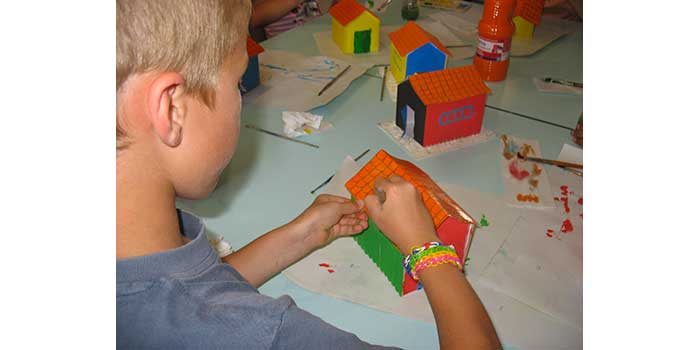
[147,221]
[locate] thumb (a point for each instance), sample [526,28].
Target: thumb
[374,206]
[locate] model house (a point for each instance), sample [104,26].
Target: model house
[413,50]
[526,16]
[440,106]
[453,225]
[355,29]
[251,77]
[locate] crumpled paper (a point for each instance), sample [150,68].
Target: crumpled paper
[303,123]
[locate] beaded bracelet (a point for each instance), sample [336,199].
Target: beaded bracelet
[428,255]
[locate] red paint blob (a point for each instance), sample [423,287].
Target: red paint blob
[564,190]
[580,201]
[331,270]
[549,232]
[324,265]
[566,204]
[517,173]
[566,226]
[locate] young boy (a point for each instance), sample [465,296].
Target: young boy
[178,109]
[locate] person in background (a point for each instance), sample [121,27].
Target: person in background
[277,16]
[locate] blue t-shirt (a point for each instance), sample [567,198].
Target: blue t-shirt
[186,298]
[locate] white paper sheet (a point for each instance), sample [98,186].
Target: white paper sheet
[533,186]
[540,271]
[292,81]
[326,46]
[464,26]
[495,219]
[571,154]
[355,278]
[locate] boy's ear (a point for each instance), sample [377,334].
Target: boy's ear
[167,107]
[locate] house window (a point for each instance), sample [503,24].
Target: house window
[455,115]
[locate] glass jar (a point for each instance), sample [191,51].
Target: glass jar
[409,10]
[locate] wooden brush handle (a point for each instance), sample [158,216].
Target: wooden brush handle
[556,162]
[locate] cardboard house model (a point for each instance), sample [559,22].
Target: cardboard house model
[355,29]
[413,50]
[251,77]
[439,106]
[526,16]
[453,225]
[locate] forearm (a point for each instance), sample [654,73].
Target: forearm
[461,319]
[268,255]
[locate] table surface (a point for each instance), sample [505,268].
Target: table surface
[269,179]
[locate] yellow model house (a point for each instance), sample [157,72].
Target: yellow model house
[526,16]
[355,29]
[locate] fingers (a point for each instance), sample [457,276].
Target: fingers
[347,208]
[329,198]
[374,205]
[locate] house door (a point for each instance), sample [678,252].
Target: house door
[362,41]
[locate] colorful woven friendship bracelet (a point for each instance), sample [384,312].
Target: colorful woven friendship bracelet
[428,255]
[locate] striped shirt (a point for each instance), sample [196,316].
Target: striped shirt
[306,10]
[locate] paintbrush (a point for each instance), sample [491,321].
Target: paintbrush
[331,178]
[250,126]
[552,162]
[381,96]
[334,80]
[563,82]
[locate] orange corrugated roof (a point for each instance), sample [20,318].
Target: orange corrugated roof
[253,48]
[347,10]
[448,85]
[439,204]
[529,10]
[411,36]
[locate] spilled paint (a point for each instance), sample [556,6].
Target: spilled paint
[517,173]
[527,198]
[550,232]
[483,222]
[331,270]
[324,265]
[566,226]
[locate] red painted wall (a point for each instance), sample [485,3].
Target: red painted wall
[456,124]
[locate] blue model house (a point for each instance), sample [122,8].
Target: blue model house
[251,77]
[413,50]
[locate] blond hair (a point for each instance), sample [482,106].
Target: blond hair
[192,37]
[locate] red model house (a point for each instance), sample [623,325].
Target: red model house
[443,105]
[453,225]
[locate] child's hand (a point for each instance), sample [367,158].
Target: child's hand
[400,214]
[328,218]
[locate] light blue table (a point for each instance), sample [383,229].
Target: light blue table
[268,182]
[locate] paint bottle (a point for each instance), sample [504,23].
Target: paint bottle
[495,32]
[409,10]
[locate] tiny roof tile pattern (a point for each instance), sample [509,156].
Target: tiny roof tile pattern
[253,48]
[529,10]
[345,11]
[439,204]
[411,36]
[448,85]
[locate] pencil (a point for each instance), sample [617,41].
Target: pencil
[250,126]
[334,80]
[381,96]
[330,178]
